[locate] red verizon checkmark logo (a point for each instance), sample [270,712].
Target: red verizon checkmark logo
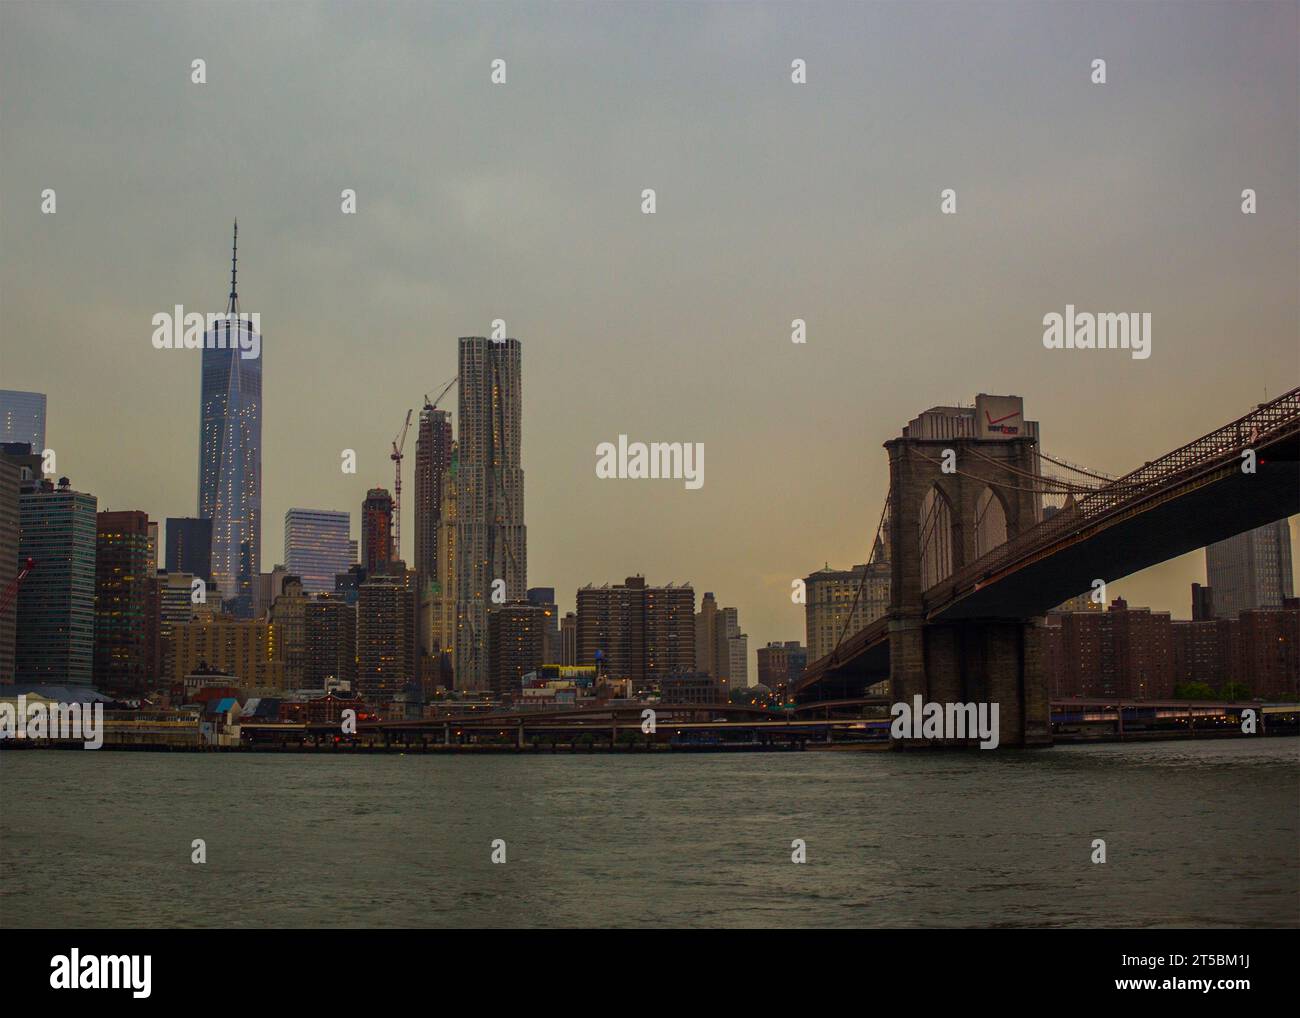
[1001,419]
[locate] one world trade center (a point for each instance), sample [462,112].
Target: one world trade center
[230,449]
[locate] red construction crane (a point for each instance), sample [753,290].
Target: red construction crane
[10,590]
[398,444]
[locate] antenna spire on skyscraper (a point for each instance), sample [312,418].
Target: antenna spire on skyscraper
[233,307]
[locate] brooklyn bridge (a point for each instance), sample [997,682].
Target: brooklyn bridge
[978,552]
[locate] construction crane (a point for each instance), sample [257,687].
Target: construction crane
[434,404]
[399,443]
[10,590]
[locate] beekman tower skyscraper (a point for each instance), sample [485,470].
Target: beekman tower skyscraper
[491,543]
[230,450]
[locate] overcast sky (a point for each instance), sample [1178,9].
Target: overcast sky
[776,201]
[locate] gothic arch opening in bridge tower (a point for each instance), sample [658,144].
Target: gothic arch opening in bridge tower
[936,537]
[990,522]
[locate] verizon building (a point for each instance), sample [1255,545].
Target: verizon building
[490,541]
[992,417]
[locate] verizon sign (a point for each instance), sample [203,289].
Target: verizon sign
[1000,416]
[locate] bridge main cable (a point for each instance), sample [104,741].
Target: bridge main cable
[857,594]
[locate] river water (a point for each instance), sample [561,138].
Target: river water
[1197,833]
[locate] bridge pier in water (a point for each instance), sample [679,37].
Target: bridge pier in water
[975,662]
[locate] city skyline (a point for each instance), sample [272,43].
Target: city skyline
[655,464]
[452,422]
[699,353]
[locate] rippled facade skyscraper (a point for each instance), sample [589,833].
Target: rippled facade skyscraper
[490,541]
[230,450]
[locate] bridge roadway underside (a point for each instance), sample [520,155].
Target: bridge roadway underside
[850,679]
[1188,517]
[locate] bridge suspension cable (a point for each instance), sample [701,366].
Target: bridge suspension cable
[1041,489]
[1044,479]
[857,594]
[927,524]
[1065,464]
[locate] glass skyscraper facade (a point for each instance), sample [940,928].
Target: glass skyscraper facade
[230,454]
[123,656]
[189,546]
[1250,570]
[317,547]
[22,418]
[9,529]
[56,604]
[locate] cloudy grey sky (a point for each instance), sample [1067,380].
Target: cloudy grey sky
[775,201]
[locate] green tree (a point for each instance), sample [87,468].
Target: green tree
[1234,691]
[1194,691]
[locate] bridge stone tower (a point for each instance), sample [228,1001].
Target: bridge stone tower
[941,520]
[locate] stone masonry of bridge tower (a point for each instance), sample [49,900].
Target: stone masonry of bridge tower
[995,660]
